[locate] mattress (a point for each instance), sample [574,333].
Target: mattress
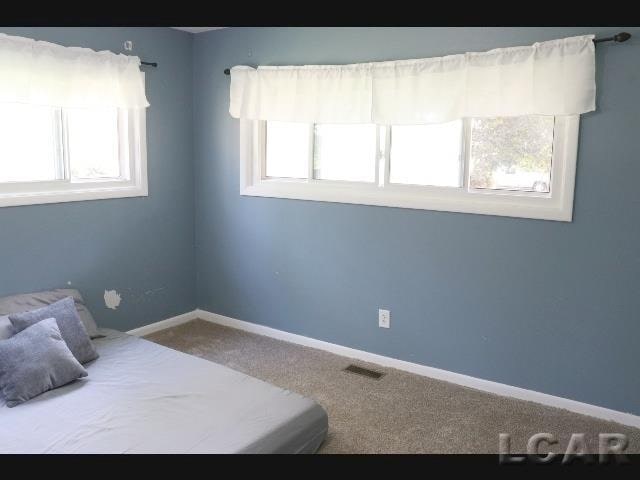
[141,397]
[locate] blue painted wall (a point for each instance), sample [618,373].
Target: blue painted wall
[549,306]
[543,305]
[141,247]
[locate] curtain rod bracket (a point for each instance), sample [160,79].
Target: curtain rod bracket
[618,38]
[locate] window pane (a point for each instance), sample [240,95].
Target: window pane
[426,154]
[512,153]
[93,142]
[29,143]
[345,152]
[287,150]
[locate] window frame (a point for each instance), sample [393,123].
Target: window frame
[555,206]
[133,182]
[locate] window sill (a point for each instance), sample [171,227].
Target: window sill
[74,193]
[440,199]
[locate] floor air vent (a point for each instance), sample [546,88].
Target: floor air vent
[365,372]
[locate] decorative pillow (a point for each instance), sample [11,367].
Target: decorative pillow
[71,327]
[34,361]
[31,301]
[6,330]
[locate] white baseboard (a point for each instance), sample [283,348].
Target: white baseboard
[162,324]
[431,372]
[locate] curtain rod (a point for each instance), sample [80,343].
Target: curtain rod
[151,64]
[618,38]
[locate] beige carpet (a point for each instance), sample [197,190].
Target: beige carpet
[400,413]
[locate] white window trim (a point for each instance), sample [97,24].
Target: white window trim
[557,206]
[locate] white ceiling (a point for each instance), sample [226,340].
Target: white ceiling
[197,29]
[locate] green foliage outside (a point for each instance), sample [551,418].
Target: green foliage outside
[511,145]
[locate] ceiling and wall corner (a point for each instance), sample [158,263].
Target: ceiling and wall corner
[197,29]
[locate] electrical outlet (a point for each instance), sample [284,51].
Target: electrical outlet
[384,318]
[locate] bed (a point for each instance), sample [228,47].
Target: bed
[141,397]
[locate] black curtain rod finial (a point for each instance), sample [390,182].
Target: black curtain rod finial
[151,64]
[618,38]
[621,37]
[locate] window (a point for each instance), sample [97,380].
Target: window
[345,153]
[69,134]
[511,153]
[50,154]
[513,166]
[30,144]
[93,146]
[288,147]
[427,155]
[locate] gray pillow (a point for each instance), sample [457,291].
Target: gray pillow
[34,361]
[31,301]
[6,330]
[71,327]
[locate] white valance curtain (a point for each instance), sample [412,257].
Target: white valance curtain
[43,73]
[548,78]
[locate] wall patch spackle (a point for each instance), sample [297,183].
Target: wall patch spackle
[112,299]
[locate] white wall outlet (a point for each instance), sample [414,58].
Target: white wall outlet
[384,318]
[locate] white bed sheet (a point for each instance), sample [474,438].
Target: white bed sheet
[141,397]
